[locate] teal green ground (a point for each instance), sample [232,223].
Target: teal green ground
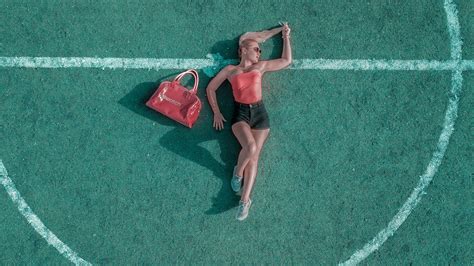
[120,184]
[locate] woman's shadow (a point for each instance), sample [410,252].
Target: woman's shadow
[185,142]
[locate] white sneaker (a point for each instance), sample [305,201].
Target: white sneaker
[243,210]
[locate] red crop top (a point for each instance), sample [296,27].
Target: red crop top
[247,87]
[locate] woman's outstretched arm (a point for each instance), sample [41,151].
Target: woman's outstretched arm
[211,96]
[286,55]
[260,36]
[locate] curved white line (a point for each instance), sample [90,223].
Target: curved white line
[454,29]
[34,221]
[456,64]
[448,128]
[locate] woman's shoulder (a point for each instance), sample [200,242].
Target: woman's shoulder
[230,67]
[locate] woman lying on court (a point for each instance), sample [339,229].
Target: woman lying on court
[250,122]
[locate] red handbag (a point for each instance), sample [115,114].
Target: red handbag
[176,101]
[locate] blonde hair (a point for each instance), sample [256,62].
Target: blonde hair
[245,43]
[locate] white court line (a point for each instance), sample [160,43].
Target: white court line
[454,29]
[177,63]
[456,64]
[448,128]
[372,64]
[35,222]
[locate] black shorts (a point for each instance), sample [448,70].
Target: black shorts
[255,115]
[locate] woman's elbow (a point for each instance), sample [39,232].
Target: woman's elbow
[210,89]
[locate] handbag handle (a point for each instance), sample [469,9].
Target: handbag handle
[194,74]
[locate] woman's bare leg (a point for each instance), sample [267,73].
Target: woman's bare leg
[251,168]
[244,135]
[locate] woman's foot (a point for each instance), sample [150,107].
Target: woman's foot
[243,210]
[236,181]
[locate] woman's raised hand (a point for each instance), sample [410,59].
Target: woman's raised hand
[219,121]
[285,29]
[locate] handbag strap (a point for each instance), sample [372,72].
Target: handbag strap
[194,74]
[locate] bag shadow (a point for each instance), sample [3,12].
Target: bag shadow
[185,142]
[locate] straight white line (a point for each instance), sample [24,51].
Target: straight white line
[372,64]
[183,63]
[35,222]
[113,63]
[467,65]
[456,64]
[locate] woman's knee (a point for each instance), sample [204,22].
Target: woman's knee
[251,148]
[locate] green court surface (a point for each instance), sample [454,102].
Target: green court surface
[120,184]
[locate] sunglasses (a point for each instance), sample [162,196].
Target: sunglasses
[257,50]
